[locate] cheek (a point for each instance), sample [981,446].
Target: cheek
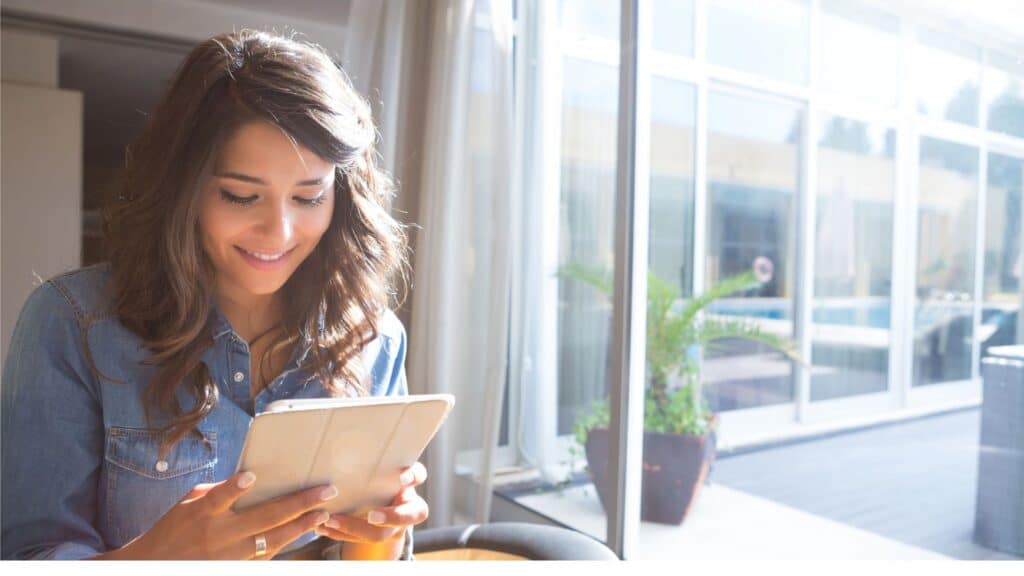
[217,226]
[316,224]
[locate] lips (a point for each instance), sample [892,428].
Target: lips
[264,260]
[265,255]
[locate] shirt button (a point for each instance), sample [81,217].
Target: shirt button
[239,376]
[161,466]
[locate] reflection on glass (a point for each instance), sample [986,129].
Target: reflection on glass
[673,26]
[1004,253]
[852,259]
[753,180]
[587,18]
[671,220]
[943,318]
[946,78]
[1004,94]
[859,54]
[768,37]
[589,100]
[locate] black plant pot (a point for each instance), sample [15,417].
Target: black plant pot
[675,467]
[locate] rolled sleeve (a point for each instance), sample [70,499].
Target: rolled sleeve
[52,435]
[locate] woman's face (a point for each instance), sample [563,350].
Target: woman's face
[263,210]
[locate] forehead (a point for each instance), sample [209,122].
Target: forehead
[266,149]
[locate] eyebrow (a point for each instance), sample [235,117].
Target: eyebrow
[255,180]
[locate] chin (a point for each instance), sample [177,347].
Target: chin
[263,286]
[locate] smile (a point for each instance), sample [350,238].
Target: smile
[264,259]
[264,256]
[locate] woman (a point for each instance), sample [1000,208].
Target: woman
[250,256]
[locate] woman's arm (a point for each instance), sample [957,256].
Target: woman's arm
[52,434]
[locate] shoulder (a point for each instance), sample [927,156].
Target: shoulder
[385,357]
[389,345]
[391,330]
[70,296]
[83,290]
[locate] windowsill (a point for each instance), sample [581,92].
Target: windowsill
[729,524]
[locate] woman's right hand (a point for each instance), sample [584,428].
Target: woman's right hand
[203,526]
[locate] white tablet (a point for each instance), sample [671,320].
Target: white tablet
[360,445]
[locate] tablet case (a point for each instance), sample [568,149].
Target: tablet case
[359,444]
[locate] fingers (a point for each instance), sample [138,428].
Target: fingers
[343,536]
[198,491]
[278,511]
[409,513]
[221,496]
[414,475]
[281,536]
[352,529]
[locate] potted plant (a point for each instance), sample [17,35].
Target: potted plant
[679,428]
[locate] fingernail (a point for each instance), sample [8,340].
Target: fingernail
[375,517]
[332,523]
[407,477]
[322,517]
[246,479]
[328,493]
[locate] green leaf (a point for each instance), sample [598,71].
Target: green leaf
[674,327]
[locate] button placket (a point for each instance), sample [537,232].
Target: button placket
[239,357]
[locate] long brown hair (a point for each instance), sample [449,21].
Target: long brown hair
[162,279]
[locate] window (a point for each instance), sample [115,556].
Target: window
[767,38]
[859,55]
[754,155]
[946,78]
[943,321]
[852,258]
[1004,94]
[835,149]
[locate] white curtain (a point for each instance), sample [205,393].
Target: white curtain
[375,38]
[459,333]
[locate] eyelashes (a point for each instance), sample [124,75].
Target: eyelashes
[246,200]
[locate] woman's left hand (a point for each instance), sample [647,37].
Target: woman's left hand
[384,526]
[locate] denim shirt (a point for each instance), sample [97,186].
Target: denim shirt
[81,469]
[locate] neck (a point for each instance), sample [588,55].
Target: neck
[251,315]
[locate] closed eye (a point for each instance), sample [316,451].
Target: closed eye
[236,199]
[245,200]
[313,201]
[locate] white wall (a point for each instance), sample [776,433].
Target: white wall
[41,178]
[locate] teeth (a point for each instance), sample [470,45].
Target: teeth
[264,257]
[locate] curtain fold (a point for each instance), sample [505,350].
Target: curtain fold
[372,56]
[439,76]
[459,335]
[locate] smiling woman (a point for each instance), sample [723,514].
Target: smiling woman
[261,215]
[252,259]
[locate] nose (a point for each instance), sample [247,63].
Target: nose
[277,224]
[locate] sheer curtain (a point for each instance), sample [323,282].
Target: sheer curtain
[375,37]
[439,76]
[459,333]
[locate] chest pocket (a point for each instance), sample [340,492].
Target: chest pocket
[141,486]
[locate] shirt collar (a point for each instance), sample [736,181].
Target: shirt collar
[221,327]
